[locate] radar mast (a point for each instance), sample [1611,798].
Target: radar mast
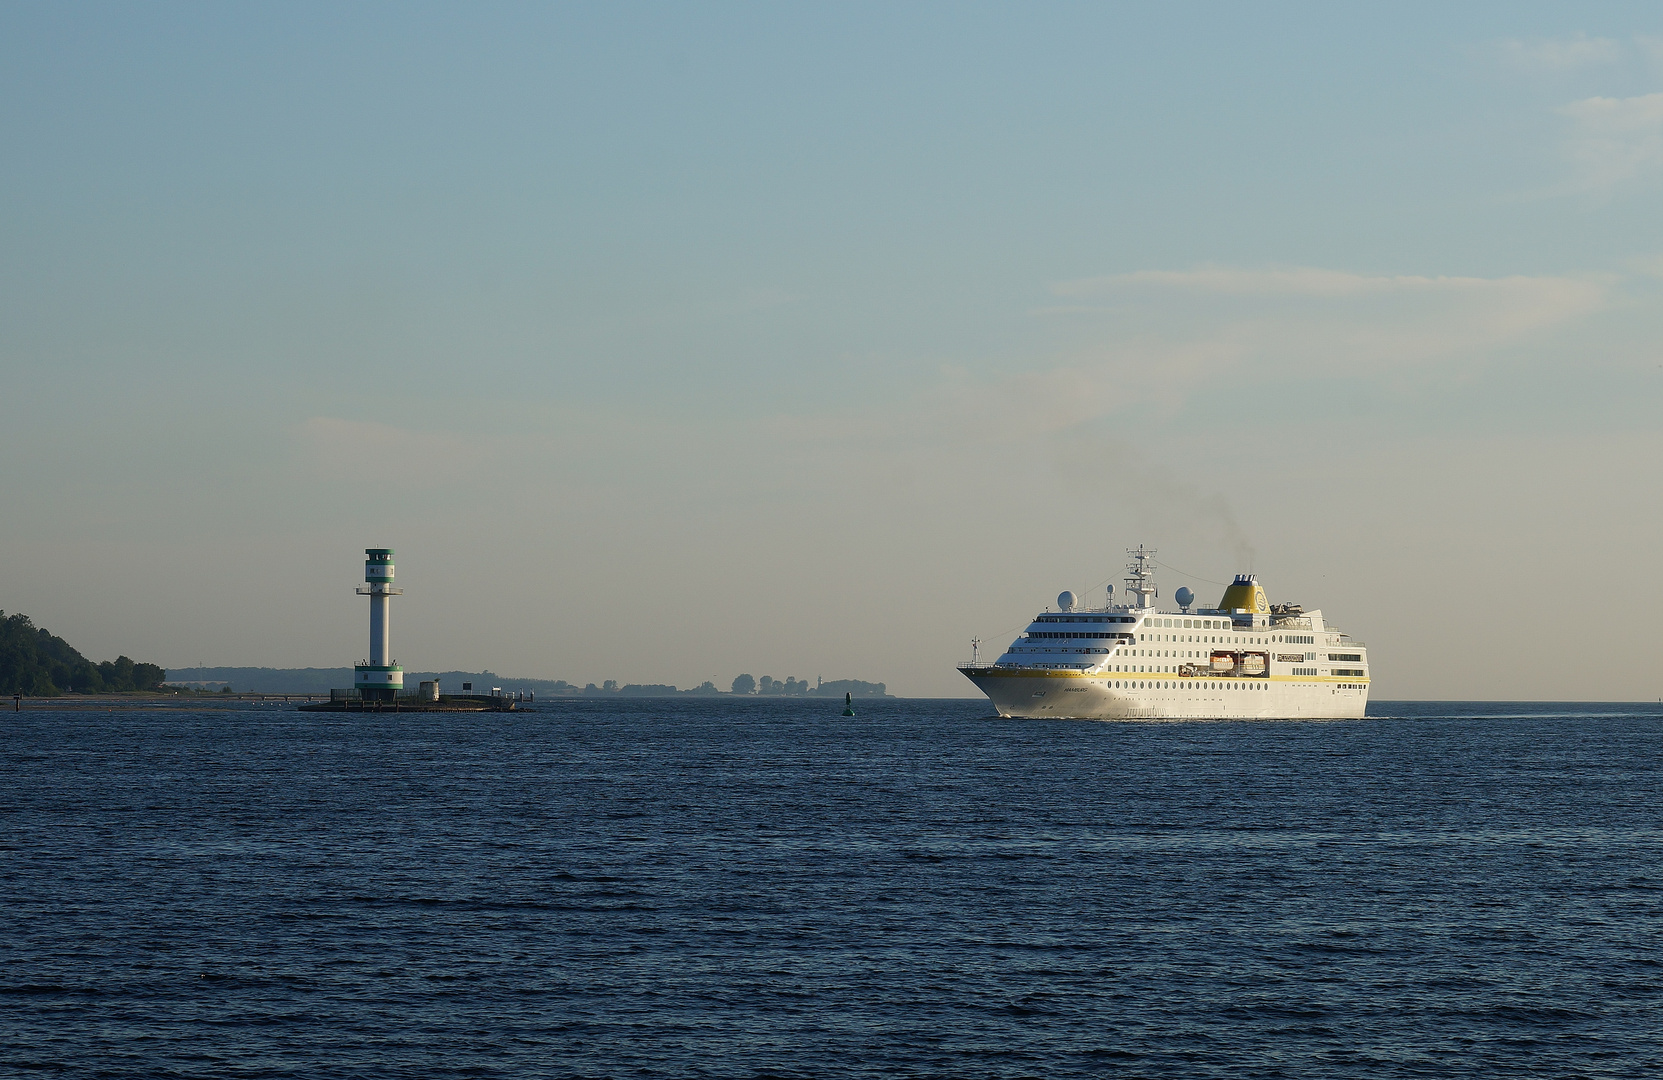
[1140,576]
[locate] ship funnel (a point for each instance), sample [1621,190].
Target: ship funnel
[1245,594]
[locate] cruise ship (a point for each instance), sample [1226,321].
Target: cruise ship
[1244,659]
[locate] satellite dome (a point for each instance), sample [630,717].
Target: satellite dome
[1066,600]
[1184,597]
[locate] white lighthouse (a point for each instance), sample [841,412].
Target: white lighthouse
[379,677]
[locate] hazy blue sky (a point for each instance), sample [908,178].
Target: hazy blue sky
[666,342]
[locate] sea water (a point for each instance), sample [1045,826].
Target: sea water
[673,888]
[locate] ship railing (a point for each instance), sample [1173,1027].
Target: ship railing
[1054,665]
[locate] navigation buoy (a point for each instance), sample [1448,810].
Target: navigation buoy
[848,703]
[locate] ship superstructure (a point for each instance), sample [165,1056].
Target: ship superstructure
[1244,658]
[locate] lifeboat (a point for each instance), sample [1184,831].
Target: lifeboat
[1253,663]
[1223,662]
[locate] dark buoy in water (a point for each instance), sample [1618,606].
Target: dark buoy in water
[848,703]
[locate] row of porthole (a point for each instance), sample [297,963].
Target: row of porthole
[1133,685]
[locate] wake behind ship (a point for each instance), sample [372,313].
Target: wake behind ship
[1242,659]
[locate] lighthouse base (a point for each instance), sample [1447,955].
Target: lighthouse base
[378,683]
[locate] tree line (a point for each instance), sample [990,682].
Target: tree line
[36,662]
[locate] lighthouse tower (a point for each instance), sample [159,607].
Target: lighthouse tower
[378,677]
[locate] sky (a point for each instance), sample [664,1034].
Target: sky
[667,342]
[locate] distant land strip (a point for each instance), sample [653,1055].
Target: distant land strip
[265,680]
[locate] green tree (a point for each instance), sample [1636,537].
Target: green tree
[34,661]
[744,684]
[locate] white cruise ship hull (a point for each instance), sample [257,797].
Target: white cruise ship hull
[1104,696]
[1244,659]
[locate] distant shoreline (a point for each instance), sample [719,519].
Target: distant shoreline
[208,699]
[270,680]
[144,697]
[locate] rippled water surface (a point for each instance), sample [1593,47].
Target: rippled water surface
[765,888]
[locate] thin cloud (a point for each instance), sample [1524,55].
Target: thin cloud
[1649,265]
[1158,334]
[1236,281]
[1615,141]
[1651,46]
[1192,331]
[1320,283]
[1561,54]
